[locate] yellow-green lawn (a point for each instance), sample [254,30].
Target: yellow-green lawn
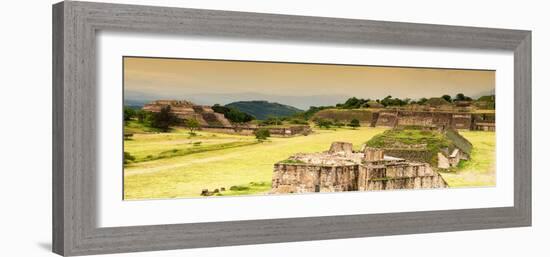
[187,175]
[479,171]
[171,165]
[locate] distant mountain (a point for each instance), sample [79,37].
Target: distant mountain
[264,109]
[303,102]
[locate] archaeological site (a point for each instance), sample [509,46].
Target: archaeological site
[210,120]
[342,169]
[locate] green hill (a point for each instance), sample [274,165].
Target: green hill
[264,109]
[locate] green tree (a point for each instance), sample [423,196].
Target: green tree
[354,123]
[323,123]
[193,125]
[233,114]
[142,116]
[447,98]
[164,119]
[422,100]
[262,134]
[129,113]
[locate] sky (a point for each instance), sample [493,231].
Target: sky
[299,85]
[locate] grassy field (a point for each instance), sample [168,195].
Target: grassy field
[172,165]
[247,166]
[480,170]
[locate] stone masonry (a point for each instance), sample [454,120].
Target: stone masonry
[341,169]
[188,110]
[435,119]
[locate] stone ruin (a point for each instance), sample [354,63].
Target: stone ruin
[438,119]
[216,122]
[342,169]
[185,110]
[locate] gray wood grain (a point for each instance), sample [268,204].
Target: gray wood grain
[75,24]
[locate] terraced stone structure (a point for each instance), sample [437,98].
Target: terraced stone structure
[434,119]
[341,169]
[210,120]
[185,110]
[443,149]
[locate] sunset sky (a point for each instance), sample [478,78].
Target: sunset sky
[300,85]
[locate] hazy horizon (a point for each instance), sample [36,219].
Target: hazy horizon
[299,85]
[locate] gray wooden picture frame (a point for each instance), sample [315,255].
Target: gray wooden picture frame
[75,25]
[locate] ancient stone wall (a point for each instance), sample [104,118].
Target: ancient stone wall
[418,155]
[461,121]
[386,119]
[291,130]
[376,175]
[185,110]
[425,182]
[303,178]
[442,119]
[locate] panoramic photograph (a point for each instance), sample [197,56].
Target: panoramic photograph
[213,128]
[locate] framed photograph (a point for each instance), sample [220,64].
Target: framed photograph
[182,128]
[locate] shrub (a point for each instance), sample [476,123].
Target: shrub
[323,123]
[128,158]
[262,134]
[192,125]
[239,188]
[298,122]
[354,123]
[143,116]
[129,113]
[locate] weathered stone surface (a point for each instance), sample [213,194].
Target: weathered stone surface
[341,147]
[216,122]
[373,154]
[187,110]
[442,161]
[461,118]
[342,170]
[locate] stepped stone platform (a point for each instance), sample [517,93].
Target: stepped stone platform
[210,120]
[342,169]
[187,110]
[435,119]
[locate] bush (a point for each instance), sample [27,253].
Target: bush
[128,158]
[239,188]
[323,123]
[298,122]
[262,134]
[192,125]
[129,113]
[354,123]
[143,116]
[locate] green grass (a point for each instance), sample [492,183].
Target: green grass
[479,171]
[248,166]
[397,138]
[134,127]
[187,175]
[247,189]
